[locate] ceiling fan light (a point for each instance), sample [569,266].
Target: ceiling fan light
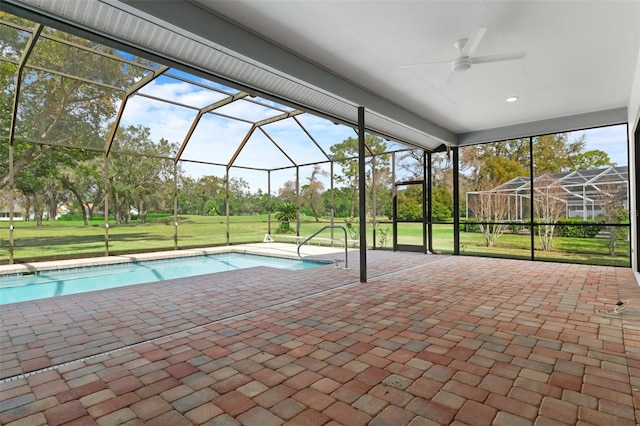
[460,64]
[512,99]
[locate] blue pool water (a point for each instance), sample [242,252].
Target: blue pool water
[20,288]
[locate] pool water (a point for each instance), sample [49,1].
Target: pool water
[61,282]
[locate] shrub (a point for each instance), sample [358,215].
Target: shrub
[577,228]
[286,212]
[383,235]
[516,227]
[71,216]
[353,227]
[470,226]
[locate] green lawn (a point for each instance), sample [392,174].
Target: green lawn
[572,250]
[66,239]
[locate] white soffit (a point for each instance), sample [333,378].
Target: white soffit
[194,48]
[579,56]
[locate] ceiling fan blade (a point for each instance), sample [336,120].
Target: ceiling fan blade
[422,64]
[473,42]
[450,77]
[497,58]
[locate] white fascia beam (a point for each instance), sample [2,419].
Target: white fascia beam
[545,127]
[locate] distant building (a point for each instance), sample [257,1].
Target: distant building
[18,208]
[584,194]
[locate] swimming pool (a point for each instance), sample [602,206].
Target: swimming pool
[61,282]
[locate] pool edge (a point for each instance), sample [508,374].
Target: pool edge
[280,250]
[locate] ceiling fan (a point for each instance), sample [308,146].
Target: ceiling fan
[465,58]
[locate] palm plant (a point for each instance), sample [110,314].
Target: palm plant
[285,213]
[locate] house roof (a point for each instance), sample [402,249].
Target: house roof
[597,176]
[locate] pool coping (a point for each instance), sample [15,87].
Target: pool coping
[281,250]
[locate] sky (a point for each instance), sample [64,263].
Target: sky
[216,139]
[611,139]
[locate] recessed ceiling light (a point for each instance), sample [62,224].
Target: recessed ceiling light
[512,99]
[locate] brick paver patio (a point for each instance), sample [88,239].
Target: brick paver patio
[429,340]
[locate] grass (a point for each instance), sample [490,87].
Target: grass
[69,239]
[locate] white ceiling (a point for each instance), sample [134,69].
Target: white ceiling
[333,55]
[580,56]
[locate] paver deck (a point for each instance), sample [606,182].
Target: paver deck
[429,340]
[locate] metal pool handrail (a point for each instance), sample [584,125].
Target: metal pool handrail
[346,258]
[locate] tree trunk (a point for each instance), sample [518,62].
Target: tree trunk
[37,210]
[142,212]
[26,205]
[354,191]
[97,200]
[85,218]
[314,211]
[545,232]
[613,240]
[126,210]
[53,209]
[116,209]
[81,202]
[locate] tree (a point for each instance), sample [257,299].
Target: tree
[207,196]
[549,204]
[312,192]
[441,179]
[555,153]
[39,182]
[238,196]
[502,161]
[12,44]
[592,159]
[442,186]
[261,201]
[409,203]
[616,215]
[441,203]
[485,168]
[32,188]
[478,163]
[190,200]
[211,195]
[288,192]
[381,187]
[210,209]
[490,208]
[410,164]
[345,155]
[341,201]
[57,109]
[137,181]
[84,181]
[611,198]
